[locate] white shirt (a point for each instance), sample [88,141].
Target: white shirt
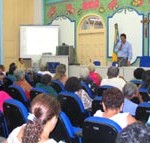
[12,138]
[120,118]
[115,82]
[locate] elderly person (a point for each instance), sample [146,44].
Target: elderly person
[112,102]
[61,73]
[21,81]
[130,91]
[94,75]
[113,78]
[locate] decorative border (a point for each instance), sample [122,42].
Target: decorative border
[108,31]
[148,50]
[1,32]
[64,16]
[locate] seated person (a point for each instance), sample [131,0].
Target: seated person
[41,122]
[130,91]
[112,102]
[73,85]
[146,80]
[21,65]
[84,76]
[94,75]
[61,73]
[21,81]
[113,78]
[45,84]
[134,133]
[2,72]
[138,72]
[10,73]
[44,70]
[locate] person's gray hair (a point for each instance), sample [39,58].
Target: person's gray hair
[129,90]
[19,74]
[84,73]
[112,72]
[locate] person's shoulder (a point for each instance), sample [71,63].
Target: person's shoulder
[98,113]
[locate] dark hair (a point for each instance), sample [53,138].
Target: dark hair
[112,72]
[146,79]
[20,59]
[138,72]
[123,35]
[112,98]
[134,133]
[73,84]
[46,79]
[12,68]
[2,67]
[44,107]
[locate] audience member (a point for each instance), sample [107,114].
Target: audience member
[2,140]
[2,72]
[134,133]
[138,72]
[3,96]
[41,121]
[45,84]
[44,70]
[146,80]
[113,78]
[21,81]
[73,85]
[10,73]
[112,102]
[130,91]
[94,75]
[61,73]
[84,76]
[21,65]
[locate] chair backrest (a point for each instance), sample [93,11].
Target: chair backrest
[15,113]
[87,89]
[143,112]
[29,80]
[35,91]
[3,127]
[71,104]
[97,63]
[102,89]
[97,104]
[64,130]
[16,92]
[57,85]
[7,81]
[145,94]
[100,130]
[136,82]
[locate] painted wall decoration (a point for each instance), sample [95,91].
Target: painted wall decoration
[105,8]
[134,33]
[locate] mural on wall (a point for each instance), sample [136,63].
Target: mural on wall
[51,12]
[124,18]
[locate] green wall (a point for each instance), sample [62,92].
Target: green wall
[102,10]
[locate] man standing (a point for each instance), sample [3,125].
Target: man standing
[124,51]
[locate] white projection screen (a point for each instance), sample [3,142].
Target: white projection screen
[36,40]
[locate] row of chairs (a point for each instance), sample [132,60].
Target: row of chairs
[95,129]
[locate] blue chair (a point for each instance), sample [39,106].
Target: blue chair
[87,89]
[3,127]
[29,80]
[103,88]
[143,112]
[97,63]
[145,94]
[16,92]
[65,131]
[97,104]
[15,113]
[145,61]
[100,130]
[35,91]
[71,104]
[57,85]
[137,82]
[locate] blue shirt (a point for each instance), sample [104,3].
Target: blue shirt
[126,50]
[129,107]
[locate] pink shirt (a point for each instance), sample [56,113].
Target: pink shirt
[3,96]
